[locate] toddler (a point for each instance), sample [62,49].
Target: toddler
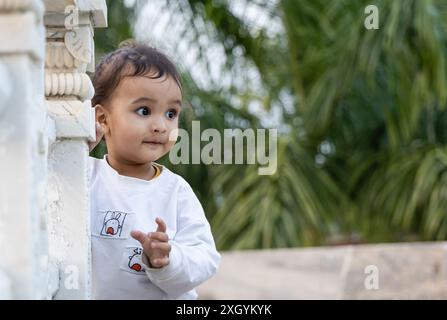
[150,236]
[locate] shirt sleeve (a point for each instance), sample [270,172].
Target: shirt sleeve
[193,258]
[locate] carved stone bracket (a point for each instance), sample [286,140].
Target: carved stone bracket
[68,84]
[69,55]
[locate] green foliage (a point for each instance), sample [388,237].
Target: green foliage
[120,19]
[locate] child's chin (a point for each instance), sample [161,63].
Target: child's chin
[151,156]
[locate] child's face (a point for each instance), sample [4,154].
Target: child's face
[141,115]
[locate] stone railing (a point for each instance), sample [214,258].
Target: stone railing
[374,271]
[46,48]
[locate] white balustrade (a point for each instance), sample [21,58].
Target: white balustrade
[46,119]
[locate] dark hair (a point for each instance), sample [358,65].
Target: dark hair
[131,59]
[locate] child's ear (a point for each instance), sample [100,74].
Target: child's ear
[102,117]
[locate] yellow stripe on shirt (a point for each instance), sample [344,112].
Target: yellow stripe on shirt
[157,168]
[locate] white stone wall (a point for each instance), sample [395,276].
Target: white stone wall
[45,121]
[24,259]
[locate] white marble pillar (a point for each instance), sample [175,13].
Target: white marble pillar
[46,47]
[68,90]
[24,265]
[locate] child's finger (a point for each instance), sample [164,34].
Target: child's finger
[162,246]
[160,236]
[161,225]
[139,236]
[160,262]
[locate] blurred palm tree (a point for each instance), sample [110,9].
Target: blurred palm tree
[361,150]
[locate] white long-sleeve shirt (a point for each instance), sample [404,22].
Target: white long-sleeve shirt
[120,204]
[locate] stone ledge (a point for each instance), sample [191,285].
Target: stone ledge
[90,11]
[73,118]
[405,271]
[28,35]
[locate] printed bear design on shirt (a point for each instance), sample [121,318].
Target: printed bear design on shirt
[135,260]
[113,223]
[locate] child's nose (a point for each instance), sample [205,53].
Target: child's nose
[158,126]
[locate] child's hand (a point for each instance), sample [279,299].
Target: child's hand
[99,135]
[155,245]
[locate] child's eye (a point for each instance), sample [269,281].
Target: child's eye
[171,114]
[143,111]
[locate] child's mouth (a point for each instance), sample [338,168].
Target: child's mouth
[153,143]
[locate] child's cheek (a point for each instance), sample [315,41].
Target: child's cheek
[170,144]
[173,135]
[137,131]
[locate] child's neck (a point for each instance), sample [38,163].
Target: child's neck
[143,171]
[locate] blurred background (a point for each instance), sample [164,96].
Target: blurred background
[360,113]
